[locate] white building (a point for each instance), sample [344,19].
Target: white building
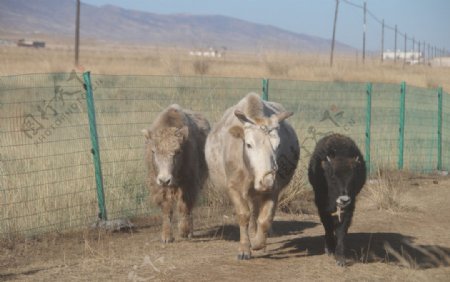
[211,52]
[410,57]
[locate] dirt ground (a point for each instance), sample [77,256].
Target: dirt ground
[409,244]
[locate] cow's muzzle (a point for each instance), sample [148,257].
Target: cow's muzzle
[267,181]
[343,201]
[164,180]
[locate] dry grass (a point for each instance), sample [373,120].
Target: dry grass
[387,188]
[139,60]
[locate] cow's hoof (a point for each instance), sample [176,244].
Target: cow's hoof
[244,256]
[340,262]
[167,240]
[186,235]
[328,252]
[258,246]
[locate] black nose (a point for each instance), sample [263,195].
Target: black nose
[164,181]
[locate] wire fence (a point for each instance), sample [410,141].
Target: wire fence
[47,176]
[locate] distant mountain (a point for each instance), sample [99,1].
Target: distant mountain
[113,24]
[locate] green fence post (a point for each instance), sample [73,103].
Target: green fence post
[265,89]
[439,132]
[401,130]
[95,147]
[368,124]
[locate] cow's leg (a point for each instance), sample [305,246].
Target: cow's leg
[185,221]
[330,241]
[254,209]
[265,218]
[341,231]
[167,215]
[243,214]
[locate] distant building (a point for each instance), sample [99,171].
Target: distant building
[410,57]
[35,44]
[211,52]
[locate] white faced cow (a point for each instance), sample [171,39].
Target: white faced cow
[253,153]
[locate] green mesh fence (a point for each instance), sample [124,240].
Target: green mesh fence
[47,179]
[46,175]
[321,109]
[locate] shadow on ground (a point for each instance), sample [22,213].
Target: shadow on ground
[230,232]
[371,247]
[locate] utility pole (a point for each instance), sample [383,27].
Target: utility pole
[77,33]
[382,40]
[414,49]
[404,55]
[364,34]
[334,33]
[418,47]
[395,45]
[424,52]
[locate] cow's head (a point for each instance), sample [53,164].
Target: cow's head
[166,145]
[339,173]
[261,140]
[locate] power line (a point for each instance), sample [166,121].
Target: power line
[432,53]
[353,4]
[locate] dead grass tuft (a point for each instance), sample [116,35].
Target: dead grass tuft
[386,190]
[298,197]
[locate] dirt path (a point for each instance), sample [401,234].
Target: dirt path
[408,245]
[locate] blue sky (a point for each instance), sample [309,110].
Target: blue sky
[425,20]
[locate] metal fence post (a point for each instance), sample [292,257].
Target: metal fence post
[95,147]
[439,131]
[401,130]
[368,124]
[265,89]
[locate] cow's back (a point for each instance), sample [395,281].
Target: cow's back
[199,129]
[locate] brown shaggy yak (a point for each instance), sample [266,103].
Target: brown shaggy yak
[176,165]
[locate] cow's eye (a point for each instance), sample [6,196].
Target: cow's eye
[248,146]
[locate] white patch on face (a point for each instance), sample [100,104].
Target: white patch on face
[343,201]
[164,166]
[261,148]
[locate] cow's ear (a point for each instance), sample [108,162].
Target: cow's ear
[183,132]
[284,115]
[242,117]
[237,132]
[147,133]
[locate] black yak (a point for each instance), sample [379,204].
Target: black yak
[337,173]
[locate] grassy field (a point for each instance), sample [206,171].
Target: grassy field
[47,176]
[137,60]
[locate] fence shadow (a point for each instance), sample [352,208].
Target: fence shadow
[230,232]
[371,247]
